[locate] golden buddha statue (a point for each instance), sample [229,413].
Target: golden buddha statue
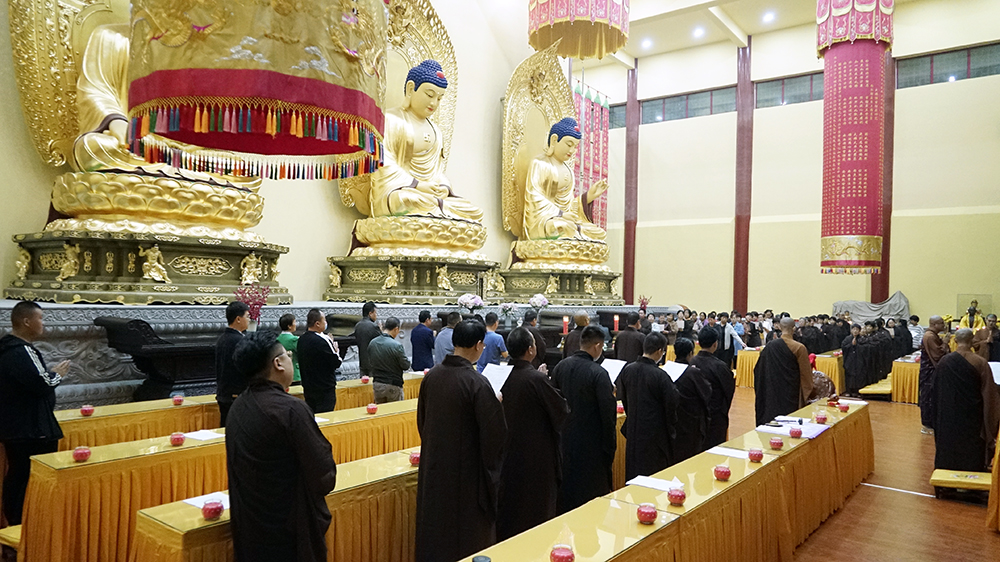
[551,211]
[411,180]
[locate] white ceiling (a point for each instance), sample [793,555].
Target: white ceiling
[669,25]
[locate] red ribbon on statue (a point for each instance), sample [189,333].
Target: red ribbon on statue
[853,36]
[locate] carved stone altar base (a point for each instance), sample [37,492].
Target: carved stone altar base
[405,279]
[563,286]
[124,267]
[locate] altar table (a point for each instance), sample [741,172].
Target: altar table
[905,381]
[829,364]
[373,509]
[87,511]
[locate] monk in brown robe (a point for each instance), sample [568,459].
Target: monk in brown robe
[280,465]
[650,401]
[462,434]
[967,409]
[588,440]
[532,466]
[629,343]
[572,342]
[987,340]
[783,380]
[932,349]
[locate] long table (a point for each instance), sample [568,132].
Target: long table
[905,379]
[831,364]
[87,511]
[119,423]
[760,514]
[373,509]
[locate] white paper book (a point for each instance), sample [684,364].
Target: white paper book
[204,435]
[809,430]
[497,375]
[675,370]
[321,420]
[996,371]
[851,401]
[200,501]
[791,419]
[613,367]
[655,483]
[727,452]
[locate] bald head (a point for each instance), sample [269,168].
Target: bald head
[964,337]
[936,324]
[787,325]
[580,318]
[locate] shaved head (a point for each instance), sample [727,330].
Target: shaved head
[963,337]
[787,325]
[936,323]
[581,318]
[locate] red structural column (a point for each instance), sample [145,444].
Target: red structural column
[880,281]
[631,182]
[744,174]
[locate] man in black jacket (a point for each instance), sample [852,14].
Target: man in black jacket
[229,382]
[629,343]
[364,332]
[318,363]
[27,397]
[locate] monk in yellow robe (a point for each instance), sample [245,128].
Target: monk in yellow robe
[411,180]
[551,211]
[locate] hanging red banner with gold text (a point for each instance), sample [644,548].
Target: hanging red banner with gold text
[852,37]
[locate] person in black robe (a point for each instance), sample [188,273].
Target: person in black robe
[829,329]
[968,409]
[853,368]
[531,323]
[532,467]
[318,364]
[462,434]
[720,376]
[650,401]
[883,342]
[229,382]
[571,343]
[932,350]
[693,417]
[629,343]
[902,338]
[588,440]
[280,465]
[753,330]
[783,380]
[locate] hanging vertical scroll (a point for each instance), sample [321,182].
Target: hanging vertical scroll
[592,155]
[852,37]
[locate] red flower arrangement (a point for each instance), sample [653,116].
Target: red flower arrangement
[255,297]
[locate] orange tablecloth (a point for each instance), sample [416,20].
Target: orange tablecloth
[87,511]
[746,360]
[993,509]
[833,367]
[373,509]
[905,382]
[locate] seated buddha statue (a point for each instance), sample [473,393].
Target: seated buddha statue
[411,180]
[551,211]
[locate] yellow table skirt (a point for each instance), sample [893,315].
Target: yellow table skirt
[905,382]
[618,466]
[87,511]
[993,509]
[746,360]
[374,518]
[671,356]
[833,367]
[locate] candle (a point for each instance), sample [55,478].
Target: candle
[565,324]
[616,322]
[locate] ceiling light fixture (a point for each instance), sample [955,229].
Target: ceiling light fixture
[768,17]
[647,43]
[699,32]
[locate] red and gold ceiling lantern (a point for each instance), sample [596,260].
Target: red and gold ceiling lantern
[588,28]
[274,89]
[853,37]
